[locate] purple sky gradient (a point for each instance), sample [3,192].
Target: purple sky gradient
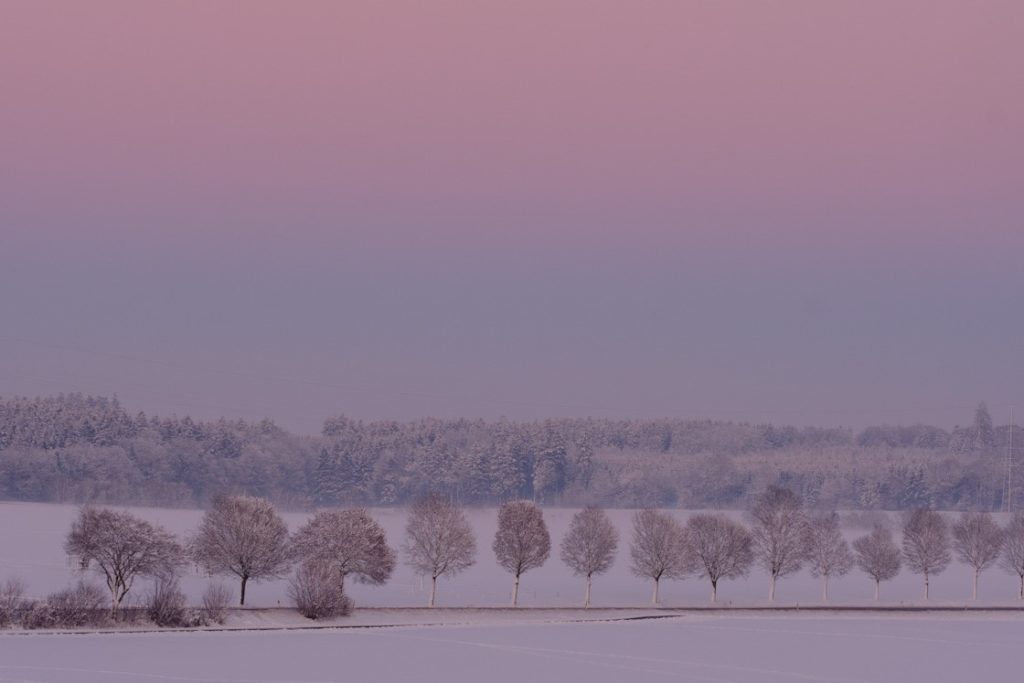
[794,211]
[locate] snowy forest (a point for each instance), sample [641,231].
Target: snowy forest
[84,449]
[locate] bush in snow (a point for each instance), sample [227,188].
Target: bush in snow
[11,598]
[317,592]
[216,599]
[84,604]
[165,605]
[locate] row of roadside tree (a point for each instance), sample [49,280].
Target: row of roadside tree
[246,537]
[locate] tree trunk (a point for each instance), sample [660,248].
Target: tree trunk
[876,589]
[515,590]
[974,589]
[433,590]
[771,590]
[245,580]
[1020,596]
[117,593]
[586,598]
[824,588]
[926,585]
[714,591]
[654,595]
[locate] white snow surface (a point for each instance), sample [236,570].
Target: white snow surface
[32,537]
[729,648]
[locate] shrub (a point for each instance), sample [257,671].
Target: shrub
[12,594]
[84,604]
[216,599]
[36,614]
[317,593]
[165,604]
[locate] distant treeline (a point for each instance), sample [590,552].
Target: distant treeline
[75,448]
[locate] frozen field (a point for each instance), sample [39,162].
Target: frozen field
[32,535]
[715,649]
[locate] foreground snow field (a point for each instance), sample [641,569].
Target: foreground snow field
[717,649]
[32,538]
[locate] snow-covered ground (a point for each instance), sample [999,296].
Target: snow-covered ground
[708,648]
[32,535]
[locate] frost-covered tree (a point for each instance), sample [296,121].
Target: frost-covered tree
[926,544]
[877,555]
[984,432]
[590,544]
[718,548]
[438,540]
[243,536]
[778,529]
[349,542]
[977,540]
[122,547]
[522,541]
[659,548]
[1013,549]
[828,554]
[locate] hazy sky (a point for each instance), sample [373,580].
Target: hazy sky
[805,212]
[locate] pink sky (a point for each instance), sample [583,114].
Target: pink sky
[489,144]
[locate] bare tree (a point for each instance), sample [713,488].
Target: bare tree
[439,540]
[522,541]
[877,555]
[926,544]
[122,547]
[590,544]
[348,542]
[827,552]
[779,522]
[1013,549]
[977,540]
[243,536]
[719,548]
[659,548]
[12,595]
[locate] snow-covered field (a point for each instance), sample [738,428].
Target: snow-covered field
[32,535]
[713,649]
